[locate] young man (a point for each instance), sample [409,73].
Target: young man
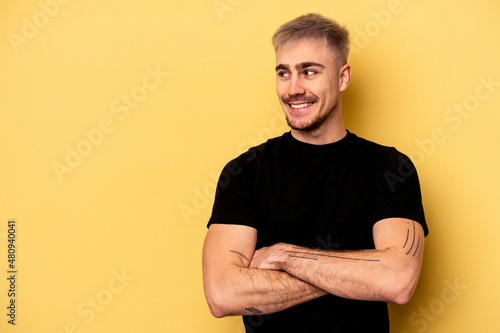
[316,230]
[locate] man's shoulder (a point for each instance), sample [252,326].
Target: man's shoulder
[255,153]
[371,146]
[380,154]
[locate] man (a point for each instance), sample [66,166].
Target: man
[316,230]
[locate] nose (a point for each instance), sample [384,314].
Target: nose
[295,87]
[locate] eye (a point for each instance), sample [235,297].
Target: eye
[283,74]
[309,72]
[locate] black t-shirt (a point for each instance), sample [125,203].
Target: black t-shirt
[319,196]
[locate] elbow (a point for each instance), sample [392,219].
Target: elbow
[217,303]
[216,309]
[221,294]
[402,297]
[217,312]
[402,292]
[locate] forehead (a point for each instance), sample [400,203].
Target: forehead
[305,50]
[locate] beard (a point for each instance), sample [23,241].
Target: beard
[309,126]
[314,123]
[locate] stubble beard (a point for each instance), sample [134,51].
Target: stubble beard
[312,125]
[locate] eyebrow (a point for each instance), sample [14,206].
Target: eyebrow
[300,66]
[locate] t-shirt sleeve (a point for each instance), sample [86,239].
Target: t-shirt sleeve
[234,194]
[399,193]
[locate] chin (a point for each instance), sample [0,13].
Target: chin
[304,126]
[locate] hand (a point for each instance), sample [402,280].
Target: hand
[270,257]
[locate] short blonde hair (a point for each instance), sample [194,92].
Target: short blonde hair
[315,26]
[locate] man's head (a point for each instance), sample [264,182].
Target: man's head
[315,27]
[311,74]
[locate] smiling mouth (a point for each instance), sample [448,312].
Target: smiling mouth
[300,106]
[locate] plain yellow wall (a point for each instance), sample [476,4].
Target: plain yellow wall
[117,117]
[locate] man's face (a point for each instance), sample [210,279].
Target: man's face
[308,84]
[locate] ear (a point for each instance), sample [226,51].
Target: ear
[344,77]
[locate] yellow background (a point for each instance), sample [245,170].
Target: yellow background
[137,203]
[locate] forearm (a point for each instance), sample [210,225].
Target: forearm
[387,273]
[234,287]
[246,291]
[372,275]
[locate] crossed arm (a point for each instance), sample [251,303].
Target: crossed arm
[239,280]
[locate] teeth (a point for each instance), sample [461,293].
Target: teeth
[300,106]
